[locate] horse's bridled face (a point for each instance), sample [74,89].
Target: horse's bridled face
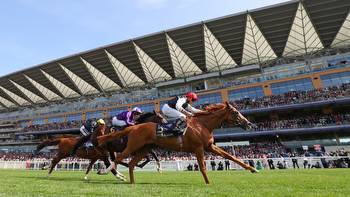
[236,118]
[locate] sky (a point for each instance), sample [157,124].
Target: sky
[33,32]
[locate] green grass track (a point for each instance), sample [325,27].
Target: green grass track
[315,182]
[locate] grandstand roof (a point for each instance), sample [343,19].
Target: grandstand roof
[288,29]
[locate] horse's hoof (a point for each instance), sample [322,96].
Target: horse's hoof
[120,178]
[121,175]
[254,171]
[102,172]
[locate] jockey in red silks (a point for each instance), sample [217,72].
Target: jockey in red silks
[180,107]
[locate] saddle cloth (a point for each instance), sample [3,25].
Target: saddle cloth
[88,144]
[172,128]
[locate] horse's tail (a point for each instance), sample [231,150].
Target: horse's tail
[102,140]
[47,143]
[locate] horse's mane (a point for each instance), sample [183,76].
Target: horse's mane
[211,108]
[214,107]
[143,117]
[65,136]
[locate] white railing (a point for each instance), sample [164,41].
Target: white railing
[178,165]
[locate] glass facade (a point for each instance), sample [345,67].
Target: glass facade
[38,121]
[293,85]
[208,99]
[56,119]
[253,92]
[94,114]
[335,79]
[74,117]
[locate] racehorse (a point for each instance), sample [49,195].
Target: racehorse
[197,138]
[66,144]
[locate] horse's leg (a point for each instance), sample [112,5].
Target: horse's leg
[54,162]
[92,161]
[159,168]
[115,172]
[217,150]
[137,157]
[132,147]
[144,163]
[200,159]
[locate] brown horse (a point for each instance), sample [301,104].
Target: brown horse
[66,144]
[197,138]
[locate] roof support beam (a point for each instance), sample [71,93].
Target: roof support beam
[126,76]
[182,64]
[303,38]
[256,49]
[342,38]
[216,56]
[65,91]
[47,93]
[15,98]
[104,82]
[6,103]
[152,70]
[84,87]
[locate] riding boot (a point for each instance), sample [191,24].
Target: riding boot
[180,125]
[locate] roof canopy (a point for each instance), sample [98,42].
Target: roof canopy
[288,29]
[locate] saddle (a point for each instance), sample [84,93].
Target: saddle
[173,128]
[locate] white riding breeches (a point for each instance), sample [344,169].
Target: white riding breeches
[116,122]
[172,113]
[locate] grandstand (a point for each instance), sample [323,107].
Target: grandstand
[286,67]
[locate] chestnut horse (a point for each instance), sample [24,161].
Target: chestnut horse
[197,138]
[66,144]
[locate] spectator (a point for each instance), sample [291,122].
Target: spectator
[213,164]
[196,167]
[227,165]
[294,161]
[220,166]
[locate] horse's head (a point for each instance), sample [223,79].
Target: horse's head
[236,118]
[100,130]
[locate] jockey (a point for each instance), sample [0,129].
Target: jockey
[126,118]
[86,130]
[180,107]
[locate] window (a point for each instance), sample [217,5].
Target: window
[94,114]
[335,79]
[293,85]
[208,99]
[253,92]
[55,119]
[74,117]
[38,121]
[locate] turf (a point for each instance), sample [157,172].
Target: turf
[320,182]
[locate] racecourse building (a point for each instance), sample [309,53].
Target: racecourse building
[285,66]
